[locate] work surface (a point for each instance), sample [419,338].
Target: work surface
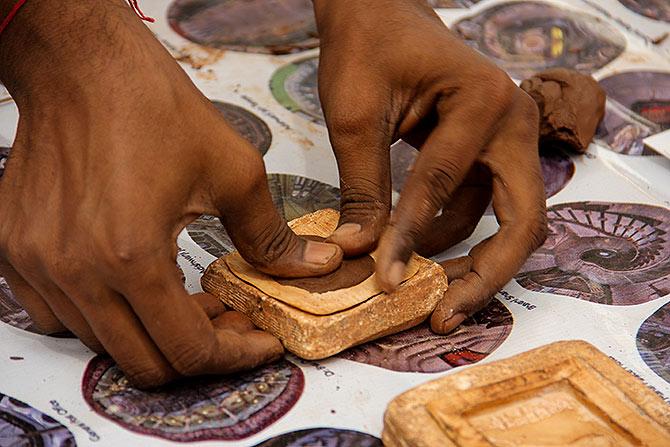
[582,284]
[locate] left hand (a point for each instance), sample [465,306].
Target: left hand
[390,69]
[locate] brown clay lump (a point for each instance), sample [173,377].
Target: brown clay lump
[351,272]
[571,105]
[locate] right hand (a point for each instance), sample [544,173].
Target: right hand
[116,151]
[477,133]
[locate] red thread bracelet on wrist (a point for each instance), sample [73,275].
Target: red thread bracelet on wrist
[133,4]
[15,9]
[8,18]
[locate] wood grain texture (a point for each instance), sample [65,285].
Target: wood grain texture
[566,393]
[319,334]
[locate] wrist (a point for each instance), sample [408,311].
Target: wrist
[54,49]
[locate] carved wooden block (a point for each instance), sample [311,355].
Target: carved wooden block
[321,322]
[562,394]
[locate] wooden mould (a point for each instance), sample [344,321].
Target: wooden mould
[318,325]
[563,394]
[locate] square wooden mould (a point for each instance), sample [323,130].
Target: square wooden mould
[563,394]
[318,325]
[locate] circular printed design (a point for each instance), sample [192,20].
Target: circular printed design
[421,350]
[527,37]
[295,87]
[654,9]
[557,170]
[653,342]
[11,311]
[24,426]
[251,127]
[607,253]
[323,437]
[195,409]
[638,105]
[255,26]
[293,195]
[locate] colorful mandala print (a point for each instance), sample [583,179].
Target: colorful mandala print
[294,86]
[638,105]
[654,9]
[607,253]
[421,350]
[653,342]
[23,426]
[323,437]
[557,171]
[255,26]
[293,195]
[251,127]
[527,37]
[198,409]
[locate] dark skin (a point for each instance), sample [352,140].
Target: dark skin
[116,151]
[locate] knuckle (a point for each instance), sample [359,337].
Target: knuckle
[347,124]
[119,252]
[191,359]
[495,92]
[273,242]
[362,196]
[442,178]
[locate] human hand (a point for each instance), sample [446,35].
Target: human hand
[390,69]
[116,151]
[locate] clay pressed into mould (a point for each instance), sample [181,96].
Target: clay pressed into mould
[351,272]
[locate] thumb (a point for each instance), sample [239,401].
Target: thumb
[362,153]
[262,236]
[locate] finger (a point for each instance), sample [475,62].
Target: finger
[457,268]
[262,236]
[234,321]
[122,334]
[43,317]
[62,308]
[181,329]
[362,152]
[212,306]
[458,218]
[519,204]
[445,159]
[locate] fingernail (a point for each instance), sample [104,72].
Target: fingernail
[347,230]
[318,252]
[395,274]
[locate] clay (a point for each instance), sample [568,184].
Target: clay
[571,106]
[350,273]
[567,393]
